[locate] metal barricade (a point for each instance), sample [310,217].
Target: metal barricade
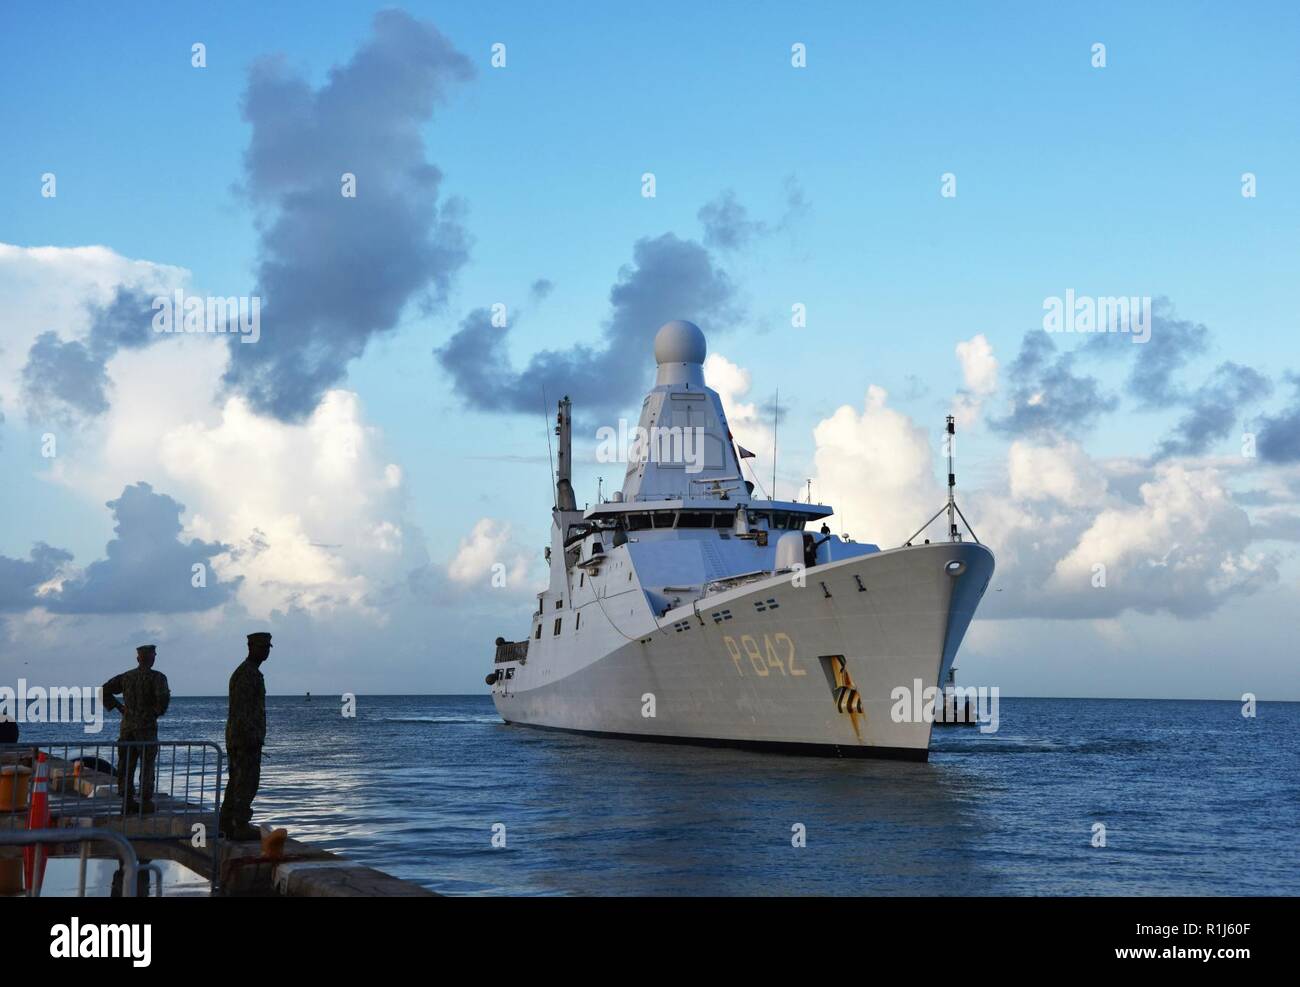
[172,810]
[40,838]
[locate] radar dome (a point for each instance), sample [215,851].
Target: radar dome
[679,342]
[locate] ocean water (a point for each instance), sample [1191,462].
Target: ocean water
[1195,799]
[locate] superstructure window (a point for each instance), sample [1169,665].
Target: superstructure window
[537,635]
[577,619]
[690,519]
[556,632]
[558,604]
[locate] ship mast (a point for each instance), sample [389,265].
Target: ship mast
[952,482]
[954,512]
[564,498]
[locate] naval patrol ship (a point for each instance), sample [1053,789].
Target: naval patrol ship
[684,609]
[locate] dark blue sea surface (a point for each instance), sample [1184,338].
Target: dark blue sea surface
[1195,799]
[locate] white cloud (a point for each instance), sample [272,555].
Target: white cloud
[1170,536]
[45,289]
[733,384]
[488,545]
[1183,549]
[314,511]
[312,508]
[877,469]
[979,372]
[1061,472]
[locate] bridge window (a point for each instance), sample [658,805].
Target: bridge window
[556,632]
[537,635]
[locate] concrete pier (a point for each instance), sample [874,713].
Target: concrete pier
[296,870]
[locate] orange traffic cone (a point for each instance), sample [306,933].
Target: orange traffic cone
[38,817]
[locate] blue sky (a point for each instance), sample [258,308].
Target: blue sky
[1117,180]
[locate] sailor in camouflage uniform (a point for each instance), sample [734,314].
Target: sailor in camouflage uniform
[245,734]
[145,696]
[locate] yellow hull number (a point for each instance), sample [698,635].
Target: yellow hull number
[763,660]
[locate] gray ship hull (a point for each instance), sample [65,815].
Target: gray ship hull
[771,665]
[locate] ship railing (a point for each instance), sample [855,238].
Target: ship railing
[86,788]
[512,651]
[731,582]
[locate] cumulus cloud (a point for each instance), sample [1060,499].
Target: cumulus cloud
[1173,344]
[979,372]
[749,426]
[1279,435]
[1155,381]
[1276,524]
[489,544]
[1059,471]
[65,380]
[310,516]
[878,470]
[334,271]
[312,510]
[22,580]
[669,278]
[68,311]
[149,567]
[1169,534]
[1214,408]
[1182,549]
[1047,396]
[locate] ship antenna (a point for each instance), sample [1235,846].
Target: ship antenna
[776,420]
[758,480]
[952,482]
[951,507]
[550,457]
